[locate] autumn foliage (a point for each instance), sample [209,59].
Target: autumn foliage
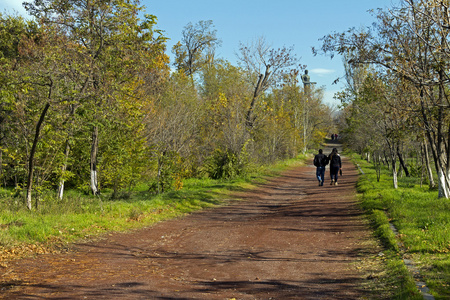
[88,102]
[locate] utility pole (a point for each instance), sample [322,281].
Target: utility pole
[306,89]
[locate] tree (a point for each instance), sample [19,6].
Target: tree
[265,66]
[196,48]
[224,91]
[171,129]
[412,43]
[112,55]
[12,30]
[38,78]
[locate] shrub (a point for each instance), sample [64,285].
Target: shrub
[225,165]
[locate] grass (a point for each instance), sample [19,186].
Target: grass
[423,224]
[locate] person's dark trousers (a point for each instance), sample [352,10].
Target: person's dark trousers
[320,173]
[334,173]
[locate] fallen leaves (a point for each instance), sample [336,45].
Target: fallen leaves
[21,251]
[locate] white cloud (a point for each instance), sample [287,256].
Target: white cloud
[322,72]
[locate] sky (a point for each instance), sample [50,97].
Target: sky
[297,23]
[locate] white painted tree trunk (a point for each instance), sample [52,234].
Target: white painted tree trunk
[394,176]
[393,157]
[394,169]
[94,183]
[61,190]
[444,189]
[63,170]
[94,151]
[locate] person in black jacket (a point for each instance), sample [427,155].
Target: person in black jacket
[335,166]
[320,161]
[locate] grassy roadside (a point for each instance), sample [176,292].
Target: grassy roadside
[423,224]
[55,224]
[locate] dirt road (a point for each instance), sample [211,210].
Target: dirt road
[289,239]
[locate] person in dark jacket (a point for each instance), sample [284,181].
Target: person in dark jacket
[335,166]
[320,161]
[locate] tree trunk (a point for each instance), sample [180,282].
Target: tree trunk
[393,156]
[423,165]
[249,118]
[261,85]
[440,166]
[443,185]
[63,170]
[438,147]
[32,152]
[66,156]
[443,150]
[402,162]
[394,173]
[94,152]
[386,160]
[443,173]
[428,165]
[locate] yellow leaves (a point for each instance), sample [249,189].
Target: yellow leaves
[268,109]
[20,251]
[178,182]
[222,101]
[219,105]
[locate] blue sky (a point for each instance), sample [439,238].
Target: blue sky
[296,23]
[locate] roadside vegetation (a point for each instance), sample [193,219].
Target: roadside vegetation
[395,114]
[422,221]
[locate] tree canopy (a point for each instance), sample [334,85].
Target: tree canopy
[88,102]
[407,49]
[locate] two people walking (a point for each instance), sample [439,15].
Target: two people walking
[321,161]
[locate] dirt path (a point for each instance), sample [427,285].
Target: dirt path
[289,239]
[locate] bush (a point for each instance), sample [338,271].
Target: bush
[225,165]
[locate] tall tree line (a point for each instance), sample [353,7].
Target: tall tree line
[88,101]
[397,101]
